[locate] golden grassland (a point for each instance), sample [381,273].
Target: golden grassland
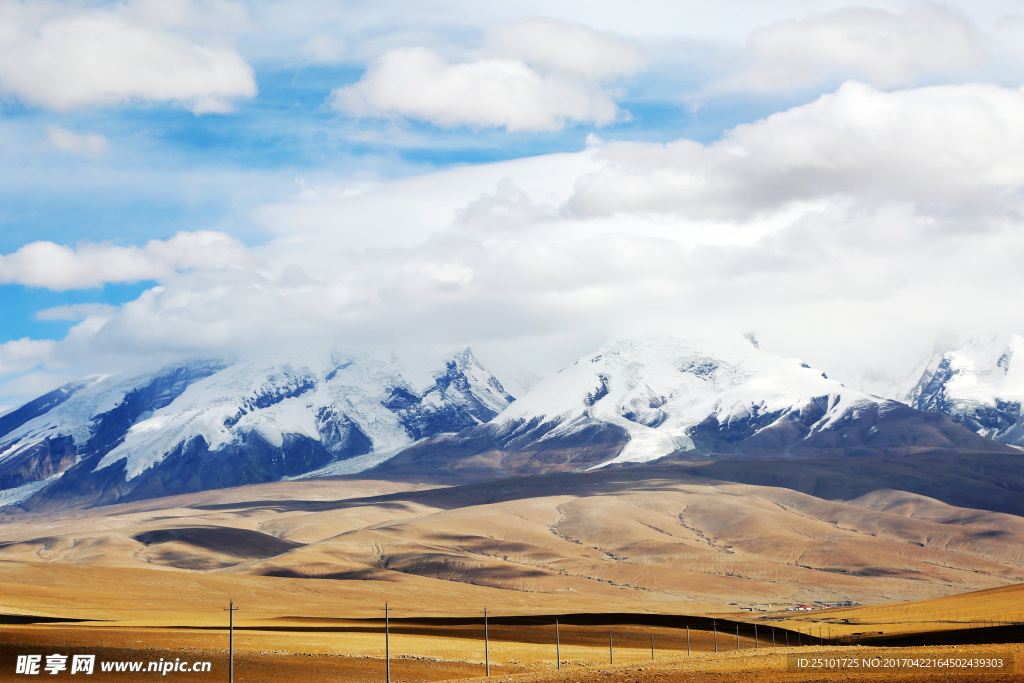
[614,535]
[311,565]
[265,657]
[288,629]
[148,597]
[976,609]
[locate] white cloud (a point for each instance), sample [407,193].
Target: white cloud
[573,48]
[67,56]
[417,83]
[207,15]
[855,227]
[20,355]
[323,49]
[507,208]
[89,144]
[939,148]
[58,267]
[76,312]
[537,74]
[875,45]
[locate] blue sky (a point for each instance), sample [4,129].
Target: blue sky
[285,131]
[322,142]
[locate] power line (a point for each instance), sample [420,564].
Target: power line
[387,643]
[231,609]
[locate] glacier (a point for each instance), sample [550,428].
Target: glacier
[213,423]
[979,382]
[643,399]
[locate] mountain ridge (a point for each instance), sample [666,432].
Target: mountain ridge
[640,400]
[206,424]
[980,383]
[309,412]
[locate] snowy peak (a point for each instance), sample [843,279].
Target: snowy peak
[684,395]
[44,404]
[463,394]
[638,400]
[209,424]
[981,383]
[92,417]
[123,398]
[347,405]
[312,412]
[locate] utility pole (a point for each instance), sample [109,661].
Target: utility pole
[652,647]
[755,636]
[714,626]
[558,649]
[231,640]
[687,640]
[387,643]
[487,646]
[611,652]
[737,636]
[773,635]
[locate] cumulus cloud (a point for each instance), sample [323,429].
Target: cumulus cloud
[59,267]
[417,83]
[939,147]
[573,48]
[89,144]
[537,75]
[508,207]
[881,47]
[23,354]
[69,56]
[854,228]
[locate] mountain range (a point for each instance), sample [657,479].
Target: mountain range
[981,383]
[211,423]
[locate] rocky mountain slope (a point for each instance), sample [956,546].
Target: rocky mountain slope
[980,383]
[643,399]
[210,424]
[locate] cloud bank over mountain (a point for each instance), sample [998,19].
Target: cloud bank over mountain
[844,181]
[800,225]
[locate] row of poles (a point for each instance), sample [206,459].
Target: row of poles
[824,635]
[558,642]
[231,609]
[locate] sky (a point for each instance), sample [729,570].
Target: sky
[198,178]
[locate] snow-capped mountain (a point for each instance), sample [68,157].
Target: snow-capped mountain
[981,383]
[210,424]
[643,399]
[46,437]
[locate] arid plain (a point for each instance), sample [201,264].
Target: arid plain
[311,564]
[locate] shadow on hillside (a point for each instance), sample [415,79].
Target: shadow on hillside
[972,479]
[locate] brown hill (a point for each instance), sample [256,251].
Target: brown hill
[983,480]
[657,533]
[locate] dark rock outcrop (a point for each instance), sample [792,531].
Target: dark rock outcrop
[516,448]
[447,407]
